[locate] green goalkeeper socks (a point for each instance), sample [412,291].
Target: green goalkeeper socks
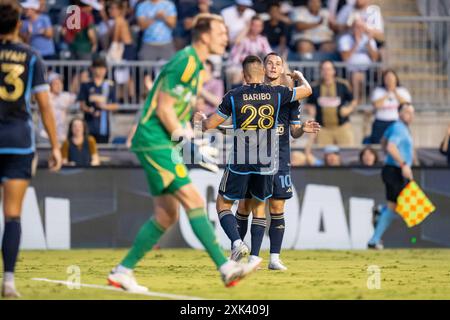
[205,233]
[147,237]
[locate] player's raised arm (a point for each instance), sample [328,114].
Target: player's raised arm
[304,90]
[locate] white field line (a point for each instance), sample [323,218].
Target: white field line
[109,288]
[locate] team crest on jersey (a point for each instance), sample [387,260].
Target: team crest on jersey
[181,171]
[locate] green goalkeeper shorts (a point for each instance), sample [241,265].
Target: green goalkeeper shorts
[166,173]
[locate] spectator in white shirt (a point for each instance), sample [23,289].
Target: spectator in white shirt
[358,50]
[253,44]
[61,102]
[363,10]
[386,100]
[237,18]
[311,30]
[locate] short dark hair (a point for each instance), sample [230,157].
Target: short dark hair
[251,60]
[99,62]
[256,17]
[202,24]
[10,11]
[271,54]
[371,150]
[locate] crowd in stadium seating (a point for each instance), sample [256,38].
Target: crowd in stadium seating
[300,30]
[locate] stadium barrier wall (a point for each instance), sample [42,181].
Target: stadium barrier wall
[331,209]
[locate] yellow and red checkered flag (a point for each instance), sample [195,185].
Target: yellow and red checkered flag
[413,205]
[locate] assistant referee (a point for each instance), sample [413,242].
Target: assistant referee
[398,145]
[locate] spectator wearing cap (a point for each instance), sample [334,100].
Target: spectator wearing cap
[312,35]
[386,100]
[61,102]
[237,19]
[157,19]
[332,104]
[97,99]
[82,37]
[331,157]
[445,146]
[37,30]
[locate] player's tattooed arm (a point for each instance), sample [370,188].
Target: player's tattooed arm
[304,90]
[205,123]
[309,126]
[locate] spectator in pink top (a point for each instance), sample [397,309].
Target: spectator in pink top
[253,44]
[212,92]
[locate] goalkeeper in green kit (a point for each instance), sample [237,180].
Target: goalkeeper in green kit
[166,114]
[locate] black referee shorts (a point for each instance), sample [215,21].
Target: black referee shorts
[394,182]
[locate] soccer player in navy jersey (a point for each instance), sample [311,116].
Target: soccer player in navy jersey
[289,124]
[22,74]
[255,110]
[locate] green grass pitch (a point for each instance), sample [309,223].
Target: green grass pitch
[405,274]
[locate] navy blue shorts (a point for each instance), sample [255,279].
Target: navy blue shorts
[282,185]
[14,166]
[236,186]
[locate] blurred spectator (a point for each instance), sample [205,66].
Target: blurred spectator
[298,159]
[386,101]
[276,29]
[358,50]
[61,102]
[37,30]
[445,146]
[334,6]
[311,32]
[121,49]
[97,99]
[368,157]
[332,104]
[253,44]
[212,91]
[237,19]
[365,12]
[331,157]
[157,19]
[82,38]
[186,14]
[79,149]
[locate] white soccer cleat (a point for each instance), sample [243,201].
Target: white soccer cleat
[9,291]
[239,271]
[239,252]
[125,281]
[277,265]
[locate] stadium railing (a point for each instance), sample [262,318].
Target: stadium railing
[418,49]
[136,71]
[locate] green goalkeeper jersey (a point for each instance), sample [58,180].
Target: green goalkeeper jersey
[180,78]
